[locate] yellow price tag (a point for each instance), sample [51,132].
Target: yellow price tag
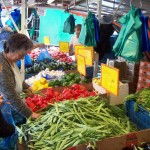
[83,47]
[46,40]
[110,79]
[81,67]
[88,54]
[76,49]
[64,47]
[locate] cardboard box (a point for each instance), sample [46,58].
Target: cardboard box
[112,99]
[123,92]
[119,142]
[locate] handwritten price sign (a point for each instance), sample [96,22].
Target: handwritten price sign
[110,79]
[64,47]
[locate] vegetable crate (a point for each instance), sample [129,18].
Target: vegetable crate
[141,117]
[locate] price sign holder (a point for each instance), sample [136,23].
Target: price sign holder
[110,79]
[64,47]
[81,66]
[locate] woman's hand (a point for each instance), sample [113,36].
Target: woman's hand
[30,92]
[35,115]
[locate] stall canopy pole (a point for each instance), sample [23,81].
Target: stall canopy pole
[118,8]
[96,60]
[87,2]
[23,29]
[8,13]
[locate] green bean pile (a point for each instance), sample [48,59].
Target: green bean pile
[71,122]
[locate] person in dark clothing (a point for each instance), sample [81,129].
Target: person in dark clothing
[6,129]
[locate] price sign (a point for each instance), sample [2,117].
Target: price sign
[46,40]
[110,79]
[88,54]
[82,47]
[76,49]
[81,67]
[64,47]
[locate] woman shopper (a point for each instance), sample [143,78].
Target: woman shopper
[11,83]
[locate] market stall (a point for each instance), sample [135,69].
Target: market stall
[79,102]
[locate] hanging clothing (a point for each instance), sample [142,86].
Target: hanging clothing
[147,53]
[145,40]
[96,27]
[104,45]
[87,35]
[69,25]
[128,44]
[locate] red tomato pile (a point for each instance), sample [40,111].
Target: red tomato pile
[58,55]
[34,54]
[74,92]
[66,59]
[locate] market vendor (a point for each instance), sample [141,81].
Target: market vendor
[74,40]
[11,83]
[6,129]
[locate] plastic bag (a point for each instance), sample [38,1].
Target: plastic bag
[44,56]
[28,61]
[69,25]
[16,17]
[8,143]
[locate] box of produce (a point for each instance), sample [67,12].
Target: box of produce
[40,81]
[138,108]
[140,117]
[68,80]
[54,65]
[46,97]
[133,141]
[73,122]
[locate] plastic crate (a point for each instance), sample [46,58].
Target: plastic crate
[141,117]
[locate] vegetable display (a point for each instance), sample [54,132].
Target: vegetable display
[37,67]
[47,74]
[69,123]
[141,97]
[76,91]
[97,81]
[54,53]
[68,80]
